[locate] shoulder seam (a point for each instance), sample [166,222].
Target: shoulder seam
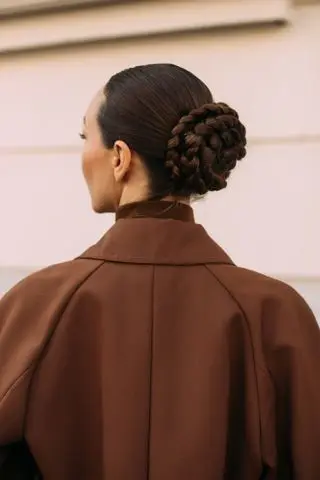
[16,381]
[14,384]
[34,365]
[213,274]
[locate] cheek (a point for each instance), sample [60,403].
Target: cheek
[87,163]
[96,168]
[93,162]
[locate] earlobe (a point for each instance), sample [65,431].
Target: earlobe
[121,160]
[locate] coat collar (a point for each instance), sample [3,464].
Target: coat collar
[157,233]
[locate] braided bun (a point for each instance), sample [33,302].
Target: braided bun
[204,148]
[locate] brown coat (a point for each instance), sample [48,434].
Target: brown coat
[152,356]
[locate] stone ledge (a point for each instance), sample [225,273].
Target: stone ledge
[143,18]
[26,7]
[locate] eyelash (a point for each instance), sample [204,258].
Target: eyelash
[82,136]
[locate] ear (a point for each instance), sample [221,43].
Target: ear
[122,160]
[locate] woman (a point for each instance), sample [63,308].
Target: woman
[152,356]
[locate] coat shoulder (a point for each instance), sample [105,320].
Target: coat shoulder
[252,285]
[262,297]
[44,282]
[30,313]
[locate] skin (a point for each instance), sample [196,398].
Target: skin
[114,176]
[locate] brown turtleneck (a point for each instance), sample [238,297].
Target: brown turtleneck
[153,357]
[157,209]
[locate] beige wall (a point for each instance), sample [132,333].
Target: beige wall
[268,218]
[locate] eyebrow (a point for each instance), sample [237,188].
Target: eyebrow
[84,120]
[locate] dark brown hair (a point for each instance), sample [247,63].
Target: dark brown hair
[164,113]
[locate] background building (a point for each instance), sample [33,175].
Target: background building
[263,57]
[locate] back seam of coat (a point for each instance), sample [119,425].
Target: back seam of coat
[236,301]
[151,373]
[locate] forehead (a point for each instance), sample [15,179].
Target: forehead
[93,108]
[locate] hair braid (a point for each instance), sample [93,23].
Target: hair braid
[204,148]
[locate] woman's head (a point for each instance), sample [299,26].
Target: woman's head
[155,131]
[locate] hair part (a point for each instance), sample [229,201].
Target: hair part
[188,143]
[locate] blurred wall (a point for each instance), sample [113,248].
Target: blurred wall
[269,69]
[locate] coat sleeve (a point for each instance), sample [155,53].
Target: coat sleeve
[291,339]
[29,314]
